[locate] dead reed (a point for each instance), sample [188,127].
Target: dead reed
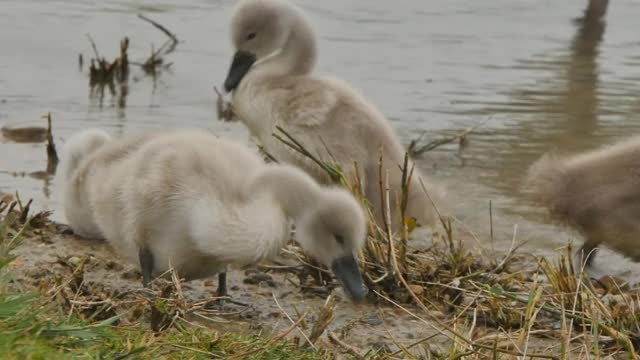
[114,75]
[502,301]
[500,305]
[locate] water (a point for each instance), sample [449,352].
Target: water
[538,80]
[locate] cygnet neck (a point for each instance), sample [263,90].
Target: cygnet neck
[297,56]
[290,187]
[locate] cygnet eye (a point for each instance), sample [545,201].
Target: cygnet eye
[339,239]
[251,36]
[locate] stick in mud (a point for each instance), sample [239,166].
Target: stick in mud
[160,27]
[461,137]
[123,60]
[155,59]
[324,319]
[52,154]
[24,212]
[93,45]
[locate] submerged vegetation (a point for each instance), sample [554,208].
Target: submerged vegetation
[114,74]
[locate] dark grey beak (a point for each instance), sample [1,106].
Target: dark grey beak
[242,61]
[346,270]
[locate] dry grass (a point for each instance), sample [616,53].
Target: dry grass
[484,305]
[67,317]
[114,75]
[493,305]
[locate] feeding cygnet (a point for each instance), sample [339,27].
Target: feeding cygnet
[76,152]
[597,192]
[194,202]
[272,85]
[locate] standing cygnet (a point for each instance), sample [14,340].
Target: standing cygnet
[270,77]
[597,192]
[197,203]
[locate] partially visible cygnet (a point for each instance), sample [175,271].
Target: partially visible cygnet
[597,192]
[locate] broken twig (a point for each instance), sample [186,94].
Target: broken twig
[415,150]
[159,27]
[52,154]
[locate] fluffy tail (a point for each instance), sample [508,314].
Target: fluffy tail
[80,145]
[547,183]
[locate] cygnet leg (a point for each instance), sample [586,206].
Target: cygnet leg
[222,283]
[146,265]
[222,293]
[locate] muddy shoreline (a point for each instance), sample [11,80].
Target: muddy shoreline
[90,278]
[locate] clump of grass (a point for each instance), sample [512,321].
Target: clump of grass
[475,291]
[52,326]
[28,326]
[387,257]
[485,307]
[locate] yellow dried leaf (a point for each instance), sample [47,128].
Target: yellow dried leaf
[410,223]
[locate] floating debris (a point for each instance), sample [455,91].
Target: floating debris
[223,107]
[103,72]
[416,150]
[172,36]
[25,134]
[36,135]
[14,214]
[52,154]
[114,75]
[122,69]
[33,135]
[156,60]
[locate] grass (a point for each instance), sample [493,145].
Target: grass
[496,305]
[37,326]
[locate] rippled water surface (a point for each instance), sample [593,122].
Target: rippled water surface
[534,76]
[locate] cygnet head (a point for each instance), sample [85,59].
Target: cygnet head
[333,231]
[269,33]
